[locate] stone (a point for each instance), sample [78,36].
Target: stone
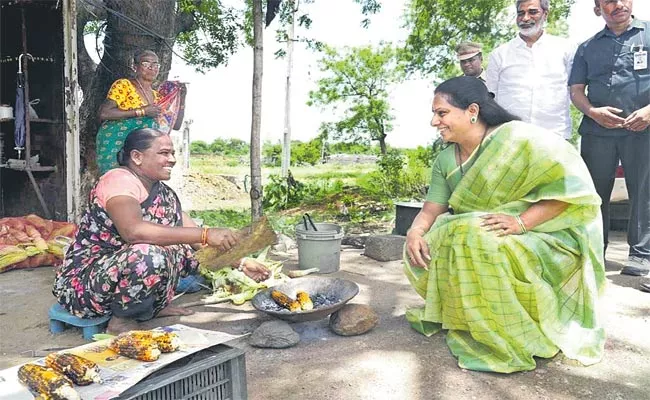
[358,242]
[385,247]
[284,244]
[353,319]
[274,335]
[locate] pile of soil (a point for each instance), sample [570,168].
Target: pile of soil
[210,192]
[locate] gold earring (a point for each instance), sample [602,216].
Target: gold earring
[474,119]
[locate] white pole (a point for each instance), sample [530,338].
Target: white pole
[186,143]
[286,144]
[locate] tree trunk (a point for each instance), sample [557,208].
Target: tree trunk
[382,138]
[121,40]
[256,119]
[382,144]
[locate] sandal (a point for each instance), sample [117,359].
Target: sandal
[645,287]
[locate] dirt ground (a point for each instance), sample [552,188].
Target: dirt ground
[390,362]
[198,191]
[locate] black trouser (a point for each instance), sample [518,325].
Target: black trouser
[601,154]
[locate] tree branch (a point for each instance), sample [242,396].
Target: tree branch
[85,14]
[185,21]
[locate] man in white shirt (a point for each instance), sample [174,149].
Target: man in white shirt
[528,75]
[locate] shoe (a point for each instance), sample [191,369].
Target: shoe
[636,266]
[645,287]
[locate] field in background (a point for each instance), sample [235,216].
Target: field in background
[238,167]
[344,194]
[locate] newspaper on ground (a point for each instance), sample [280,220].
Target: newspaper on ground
[117,372]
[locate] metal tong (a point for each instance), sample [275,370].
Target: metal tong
[306,218]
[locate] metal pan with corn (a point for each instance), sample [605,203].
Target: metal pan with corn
[305,299]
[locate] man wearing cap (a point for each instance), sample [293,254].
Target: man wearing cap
[610,84]
[470,57]
[528,75]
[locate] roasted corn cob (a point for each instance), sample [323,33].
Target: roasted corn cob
[166,341]
[132,346]
[285,301]
[304,300]
[48,383]
[80,370]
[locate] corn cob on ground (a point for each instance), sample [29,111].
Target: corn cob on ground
[167,341]
[80,370]
[285,301]
[304,300]
[140,348]
[48,383]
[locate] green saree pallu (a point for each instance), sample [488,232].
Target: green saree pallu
[111,136]
[505,300]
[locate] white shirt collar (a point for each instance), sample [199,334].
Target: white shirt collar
[519,42]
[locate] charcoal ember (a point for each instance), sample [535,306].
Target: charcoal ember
[270,305]
[322,300]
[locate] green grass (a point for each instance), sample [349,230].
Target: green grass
[225,218]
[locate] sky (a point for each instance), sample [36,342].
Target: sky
[219,102]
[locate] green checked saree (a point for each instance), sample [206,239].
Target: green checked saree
[111,136]
[505,300]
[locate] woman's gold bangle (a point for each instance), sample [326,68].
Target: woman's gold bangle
[204,237]
[521,224]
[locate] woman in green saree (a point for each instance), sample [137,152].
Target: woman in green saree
[130,104]
[507,250]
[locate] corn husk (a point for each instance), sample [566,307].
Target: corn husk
[253,238]
[230,284]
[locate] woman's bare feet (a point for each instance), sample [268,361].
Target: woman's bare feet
[118,325]
[170,311]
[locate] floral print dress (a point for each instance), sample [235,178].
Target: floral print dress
[104,275]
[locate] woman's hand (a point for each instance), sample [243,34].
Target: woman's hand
[223,239]
[501,223]
[152,110]
[417,248]
[255,270]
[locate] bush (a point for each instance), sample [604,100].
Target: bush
[199,147]
[395,179]
[282,193]
[229,147]
[424,156]
[306,153]
[272,154]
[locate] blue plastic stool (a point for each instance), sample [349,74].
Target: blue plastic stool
[59,318]
[190,284]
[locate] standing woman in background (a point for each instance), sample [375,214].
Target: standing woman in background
[130,104]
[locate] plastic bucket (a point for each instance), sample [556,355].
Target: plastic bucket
[320,248]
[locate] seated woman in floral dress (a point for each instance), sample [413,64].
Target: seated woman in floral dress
[134,240]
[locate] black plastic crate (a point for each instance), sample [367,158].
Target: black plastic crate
[216,373]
